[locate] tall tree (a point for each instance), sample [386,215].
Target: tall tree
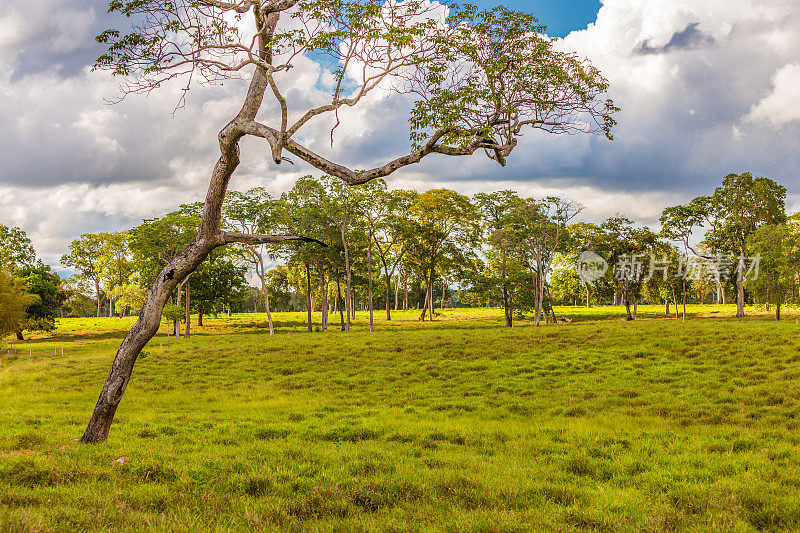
[16,249]
[678,224]
[540,228]
[738,207]
[447,230]
[585,237]
[741,205]
[305,209]
[114,265]
[341,205]
[254,212]
[41,313]
[13,303]
[778,249]
[630,248]
[376,209]
[392,239]
[480,78]
[84,253]
[496,209]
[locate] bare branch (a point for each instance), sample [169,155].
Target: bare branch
[239,7]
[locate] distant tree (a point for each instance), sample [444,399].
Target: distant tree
[40,314]
[217,285]
[340,204]
[14,302]
[392,239]
[446,231]
[565,286]
[79,303]
[156,242]
[479,78]
[585,237]
[84,253]
[281,288]
[540,232]
[385,231]
[114,266]
[309,209]
[16,249]
[665,275]
[254,212]
[738,207]
[630,251]
[778,249]
[496,210]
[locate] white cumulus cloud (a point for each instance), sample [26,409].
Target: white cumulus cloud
[782,104]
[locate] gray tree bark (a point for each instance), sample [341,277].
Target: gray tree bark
[324,291]
[349,299]
[97,292]
[369,282]
[209,236]
[188,332]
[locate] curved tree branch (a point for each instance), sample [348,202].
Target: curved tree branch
[353,177]
[252,239]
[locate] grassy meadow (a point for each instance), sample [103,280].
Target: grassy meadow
[457,425]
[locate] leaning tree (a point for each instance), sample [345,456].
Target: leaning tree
[474,80]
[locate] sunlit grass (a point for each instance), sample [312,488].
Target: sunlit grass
[460,424]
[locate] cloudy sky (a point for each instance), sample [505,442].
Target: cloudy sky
[706,87]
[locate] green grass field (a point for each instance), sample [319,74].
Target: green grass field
[458,425]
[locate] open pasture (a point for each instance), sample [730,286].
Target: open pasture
[459,424]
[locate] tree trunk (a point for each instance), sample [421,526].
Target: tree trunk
[308,297]
[396,294]
[778,308]
[740,286]
[675,301]
[405,292]
[177,322]
[444,292]
[209,236]
[20,337]
[200,318]
[629,316]
[262,276]
[188,332]
[97,292]
[739,297]
[588,296]
[389,298]
[666,306]
[266,306]
[538,295]
[432,302]
[506,302]
[684,299]
[339,299]
[369,283]
[349,300]
[324,291]
[427,299]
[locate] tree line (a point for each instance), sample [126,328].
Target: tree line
[370,248]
